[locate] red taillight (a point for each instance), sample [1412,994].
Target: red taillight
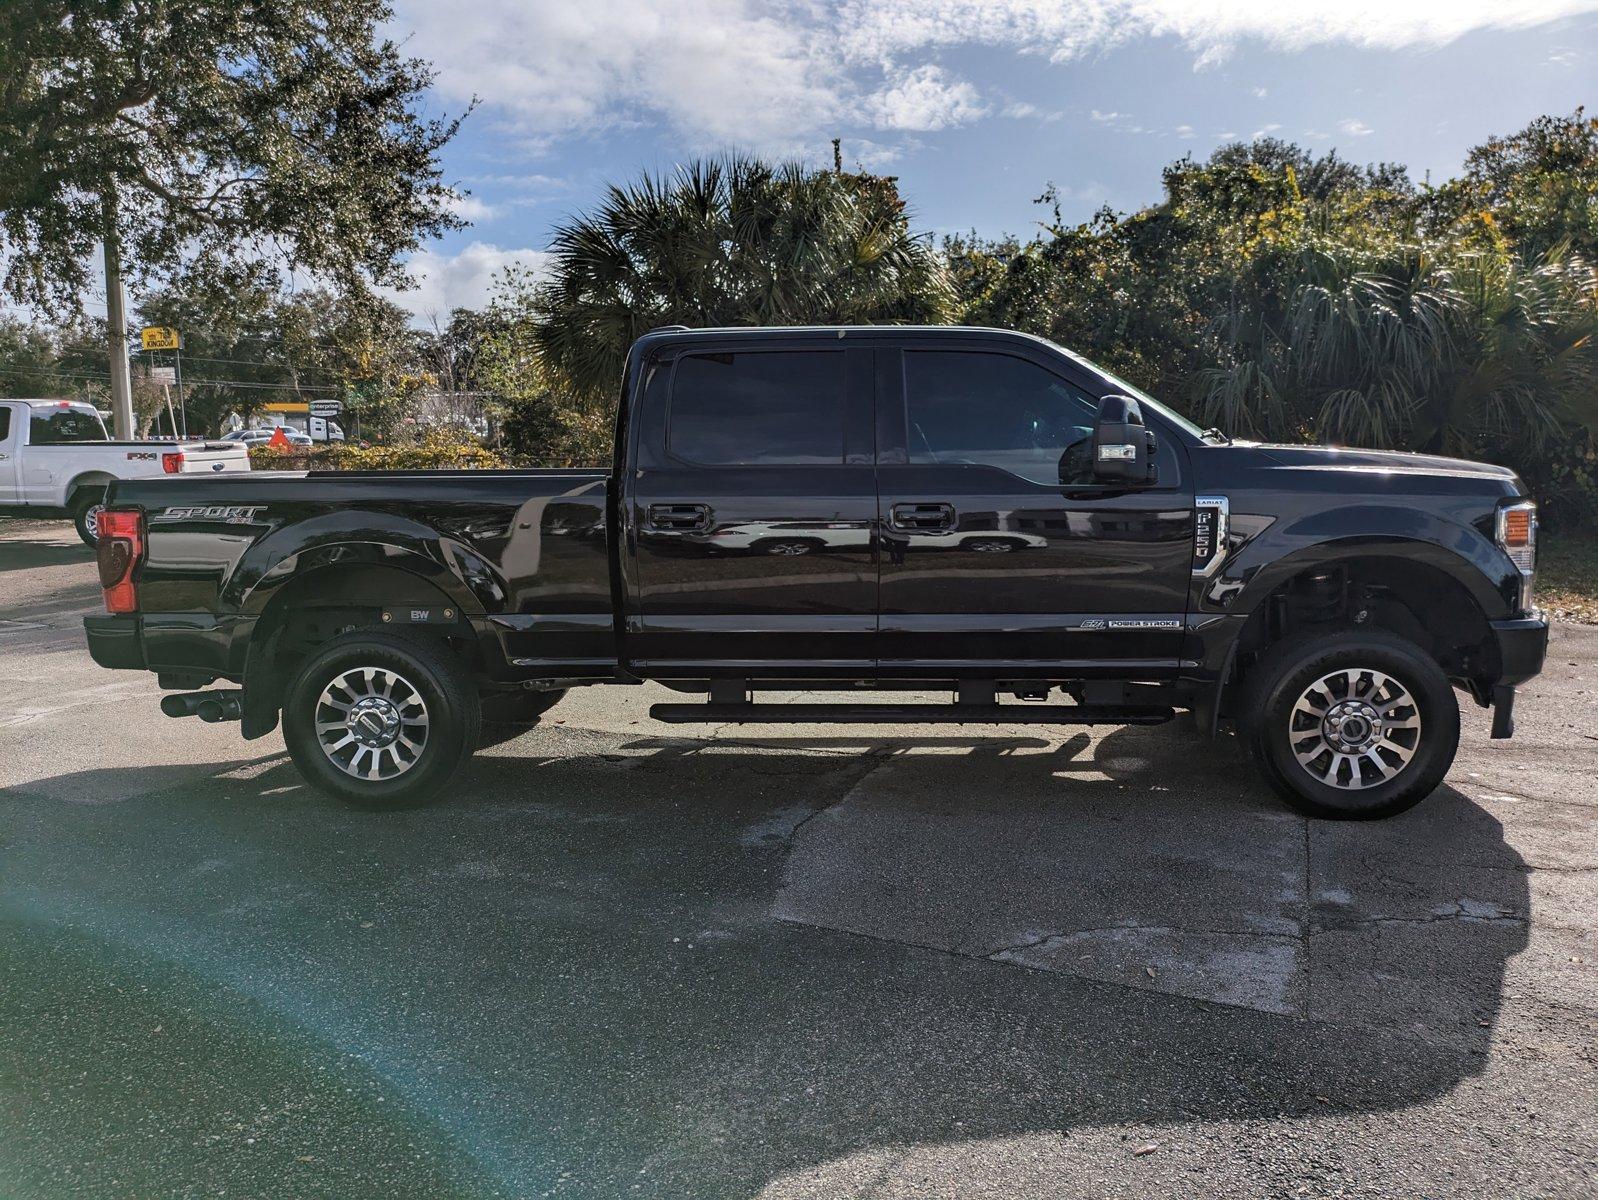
[120,549]
[172,462]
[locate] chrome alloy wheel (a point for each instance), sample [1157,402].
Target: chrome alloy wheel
[1354,729]
[372,723]
[91,518]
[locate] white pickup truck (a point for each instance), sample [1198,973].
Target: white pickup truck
[56,459]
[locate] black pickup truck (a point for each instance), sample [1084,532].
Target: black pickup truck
[863,510]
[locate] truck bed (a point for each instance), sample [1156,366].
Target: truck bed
[522,553]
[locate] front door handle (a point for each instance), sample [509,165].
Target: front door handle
[680,518]
[921,518]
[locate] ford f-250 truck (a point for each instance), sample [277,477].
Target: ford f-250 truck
[56,460]
[863,510]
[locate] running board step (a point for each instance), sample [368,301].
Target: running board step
[911,714]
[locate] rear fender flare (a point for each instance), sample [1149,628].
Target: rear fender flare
[453,567]
[87,479]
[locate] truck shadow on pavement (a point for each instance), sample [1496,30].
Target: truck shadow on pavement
[28,556]
[718,965]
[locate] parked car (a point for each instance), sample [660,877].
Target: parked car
[56,459]
[1319,600]
[259,436]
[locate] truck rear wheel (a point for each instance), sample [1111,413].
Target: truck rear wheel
[86,506]
[381,719]
[1356,724]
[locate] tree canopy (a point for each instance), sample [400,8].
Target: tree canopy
[225,134]
[728,241]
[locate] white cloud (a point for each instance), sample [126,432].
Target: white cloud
[1021,110]
[1183,131]
[470,208]
[728,70]
[1354,127]
[786,75]
[1264,130]
[872,155]
[461,280]
[877,29]
[1259,92]
[925,99]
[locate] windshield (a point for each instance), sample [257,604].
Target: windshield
[1140,396]
[61,426]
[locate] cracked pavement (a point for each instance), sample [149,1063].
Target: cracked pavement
[622,958]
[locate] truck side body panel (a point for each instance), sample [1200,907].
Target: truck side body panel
[889,554]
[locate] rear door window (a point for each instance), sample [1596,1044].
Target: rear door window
[758,408]
[63,426]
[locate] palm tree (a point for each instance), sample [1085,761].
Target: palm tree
[1339,343]
[1527,362]
[730,241]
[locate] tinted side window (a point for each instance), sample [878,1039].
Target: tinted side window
[57,426]
[5,423]
[999,411]
[758,408]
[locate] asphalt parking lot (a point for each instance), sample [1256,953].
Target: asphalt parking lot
[625,959]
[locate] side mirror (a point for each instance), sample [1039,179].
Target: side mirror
[1123,449]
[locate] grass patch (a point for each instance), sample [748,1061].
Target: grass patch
[1567,575]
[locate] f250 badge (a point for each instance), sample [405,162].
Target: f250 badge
[231,514]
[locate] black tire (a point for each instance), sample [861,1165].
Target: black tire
[507,715]
[451,713]
[1398,768]
[85,505]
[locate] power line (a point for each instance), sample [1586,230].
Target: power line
[105,377]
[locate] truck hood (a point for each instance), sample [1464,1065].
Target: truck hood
[1389,462]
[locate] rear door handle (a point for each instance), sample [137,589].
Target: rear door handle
[680,518]
[921,517]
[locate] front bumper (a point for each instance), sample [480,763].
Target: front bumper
[115,641]
[1522,646]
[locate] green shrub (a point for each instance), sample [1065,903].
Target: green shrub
[431,452]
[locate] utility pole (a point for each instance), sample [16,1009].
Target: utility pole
[116,316]
[177,375]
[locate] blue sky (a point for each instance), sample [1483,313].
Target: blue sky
[974,104]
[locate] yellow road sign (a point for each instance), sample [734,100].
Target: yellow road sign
[158,337]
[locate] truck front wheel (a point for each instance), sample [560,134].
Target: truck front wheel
[1355,724]
[381,719]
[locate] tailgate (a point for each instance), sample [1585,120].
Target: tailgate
[214,458]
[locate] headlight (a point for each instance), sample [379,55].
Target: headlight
[1516,533]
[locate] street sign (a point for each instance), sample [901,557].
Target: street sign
[159,337]
[166,375]
[326,408]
